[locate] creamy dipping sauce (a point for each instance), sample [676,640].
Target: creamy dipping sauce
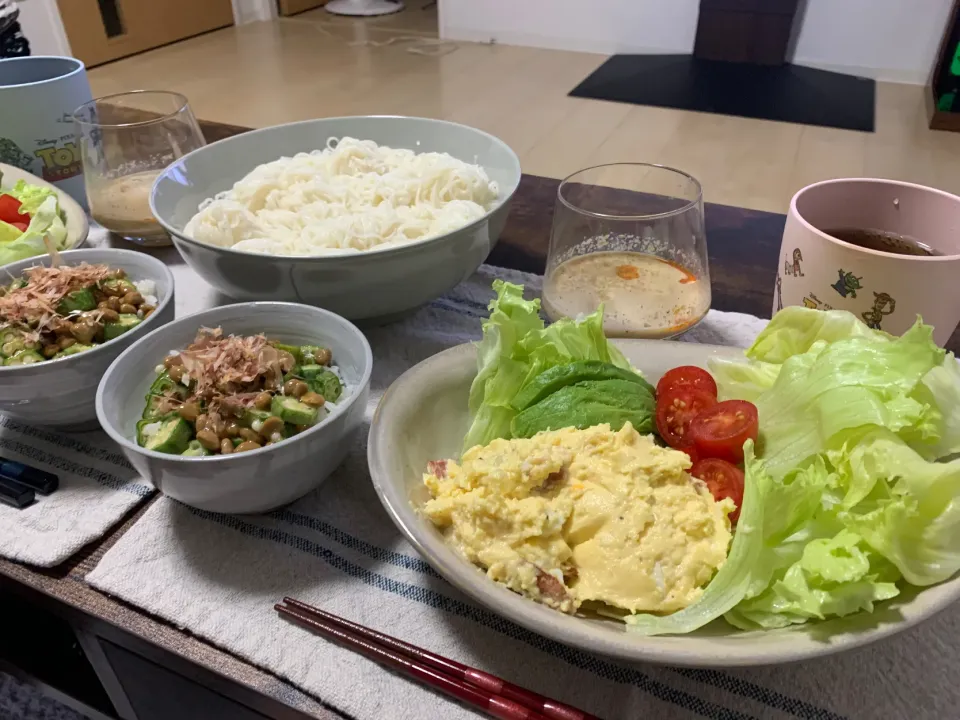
[122,205]
[644,296]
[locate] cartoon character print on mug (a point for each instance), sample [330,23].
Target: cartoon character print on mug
[846,286]
[886,290]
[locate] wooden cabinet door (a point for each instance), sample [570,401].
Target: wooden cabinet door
[104,30]
[292,7]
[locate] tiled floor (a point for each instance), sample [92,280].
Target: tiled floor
[316,65]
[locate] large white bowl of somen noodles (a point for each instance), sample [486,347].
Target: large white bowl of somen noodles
[369,217]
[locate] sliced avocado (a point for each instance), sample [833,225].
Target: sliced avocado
[12,345]
[77,301]
[164,384]
[310,371]
[549,381]
[292,349]
[252,415]
[293,411]
[24,357]
[115,285]
[152,409]
[126,322]
[72,350]
[195,449]
[13,341]
[586,404]
[173,436]
[322,381]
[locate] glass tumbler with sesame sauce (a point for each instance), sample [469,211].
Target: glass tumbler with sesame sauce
[629,236]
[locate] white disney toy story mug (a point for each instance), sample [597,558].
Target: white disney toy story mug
[887,288]
[38,95]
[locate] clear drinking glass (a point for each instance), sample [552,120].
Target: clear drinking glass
[126,140]
[630,236]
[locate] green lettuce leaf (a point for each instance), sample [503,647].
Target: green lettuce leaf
[517,347]
[842,385]
[31,197]
[732,581]
[45,220]
[794,330]
[939,391]
[852,424]
[8,232]
[834,576]
[743,380]
[905,507]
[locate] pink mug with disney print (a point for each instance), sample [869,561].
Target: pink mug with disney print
[915,271]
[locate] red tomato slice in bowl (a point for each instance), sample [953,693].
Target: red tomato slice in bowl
[676,409]
[10,210]
[721,431]
[687,376]
[723,480]
[691,450]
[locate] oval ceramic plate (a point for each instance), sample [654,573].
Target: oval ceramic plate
[424,416]
[74,216]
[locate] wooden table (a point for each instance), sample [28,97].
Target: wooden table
[147,666]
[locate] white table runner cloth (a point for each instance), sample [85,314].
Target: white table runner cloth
[218,577]
[97,488]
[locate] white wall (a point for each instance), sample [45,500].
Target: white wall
[603,26]
[893,40]
[41,24]
[886,39]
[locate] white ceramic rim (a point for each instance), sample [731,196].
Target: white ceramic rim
[10,372]
[876,253]
[378,251]
[78,67]
[197,317]
[576,632]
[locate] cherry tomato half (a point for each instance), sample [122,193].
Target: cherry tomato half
[691,450]
[676,409]
[10,210]
[721,431]
[723,480]
[687,376]
[22,227]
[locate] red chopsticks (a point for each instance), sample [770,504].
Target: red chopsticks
[497,697]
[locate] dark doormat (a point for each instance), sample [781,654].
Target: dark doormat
[788,93]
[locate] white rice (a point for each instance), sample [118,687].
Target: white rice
[148,289]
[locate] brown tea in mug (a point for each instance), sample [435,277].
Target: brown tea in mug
[882,241]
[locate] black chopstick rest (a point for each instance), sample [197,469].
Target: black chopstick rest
[15,495]
[40,480]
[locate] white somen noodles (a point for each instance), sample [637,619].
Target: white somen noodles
[354,195]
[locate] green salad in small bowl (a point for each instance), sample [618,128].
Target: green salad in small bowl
[35,214]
